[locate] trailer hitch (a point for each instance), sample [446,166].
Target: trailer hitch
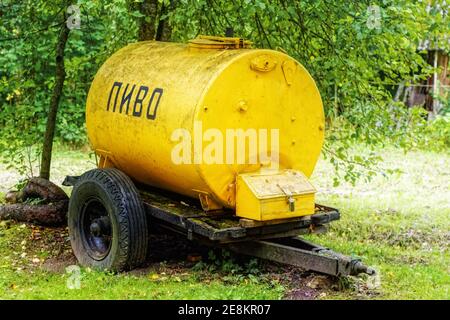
[345,265]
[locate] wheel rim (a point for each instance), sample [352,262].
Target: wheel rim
[96,231]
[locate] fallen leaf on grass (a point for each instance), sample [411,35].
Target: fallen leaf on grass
[154,276]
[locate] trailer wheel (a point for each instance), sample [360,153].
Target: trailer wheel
[107,221]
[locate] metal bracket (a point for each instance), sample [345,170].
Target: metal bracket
[70,181]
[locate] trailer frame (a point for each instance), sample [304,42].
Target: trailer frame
[275,240]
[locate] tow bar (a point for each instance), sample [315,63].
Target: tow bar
[301,253]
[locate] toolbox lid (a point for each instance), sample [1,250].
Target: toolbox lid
[281,184]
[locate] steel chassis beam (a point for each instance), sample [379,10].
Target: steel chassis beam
[301,253]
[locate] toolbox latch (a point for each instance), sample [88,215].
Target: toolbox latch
[290,198]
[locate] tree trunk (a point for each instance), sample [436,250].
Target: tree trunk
[37,188]
[53,214]
[152,26]
[49,209]
[164,30]
[60,75]
[147,24]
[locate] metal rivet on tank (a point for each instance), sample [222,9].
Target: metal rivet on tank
[242,106]
[293,119]
[293,142]
[263,63]
[320,127]
[205,108]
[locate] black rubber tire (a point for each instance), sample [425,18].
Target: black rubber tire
[128,221]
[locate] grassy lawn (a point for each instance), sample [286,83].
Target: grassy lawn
[398,224]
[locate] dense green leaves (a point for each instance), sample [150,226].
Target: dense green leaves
[28,33]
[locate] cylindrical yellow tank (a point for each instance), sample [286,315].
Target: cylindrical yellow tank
[147,90]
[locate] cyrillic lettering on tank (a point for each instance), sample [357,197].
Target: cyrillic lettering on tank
[139,100]
[117,85]
[126,98]
[153,105]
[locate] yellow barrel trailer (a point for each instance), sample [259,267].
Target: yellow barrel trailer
[212,139]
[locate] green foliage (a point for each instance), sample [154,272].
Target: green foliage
[223,261]
[444,100]
[431,135]
[28,35]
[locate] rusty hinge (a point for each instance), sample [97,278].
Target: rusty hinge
[212,42]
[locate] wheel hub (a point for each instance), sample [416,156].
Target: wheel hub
[100,226]
[96,229]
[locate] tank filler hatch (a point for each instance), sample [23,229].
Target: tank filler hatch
[280,195]
[212,42]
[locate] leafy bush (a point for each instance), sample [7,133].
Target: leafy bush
[28,35]
[433,135]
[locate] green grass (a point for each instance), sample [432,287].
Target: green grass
[28,271]
[96,285]
[398,224]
